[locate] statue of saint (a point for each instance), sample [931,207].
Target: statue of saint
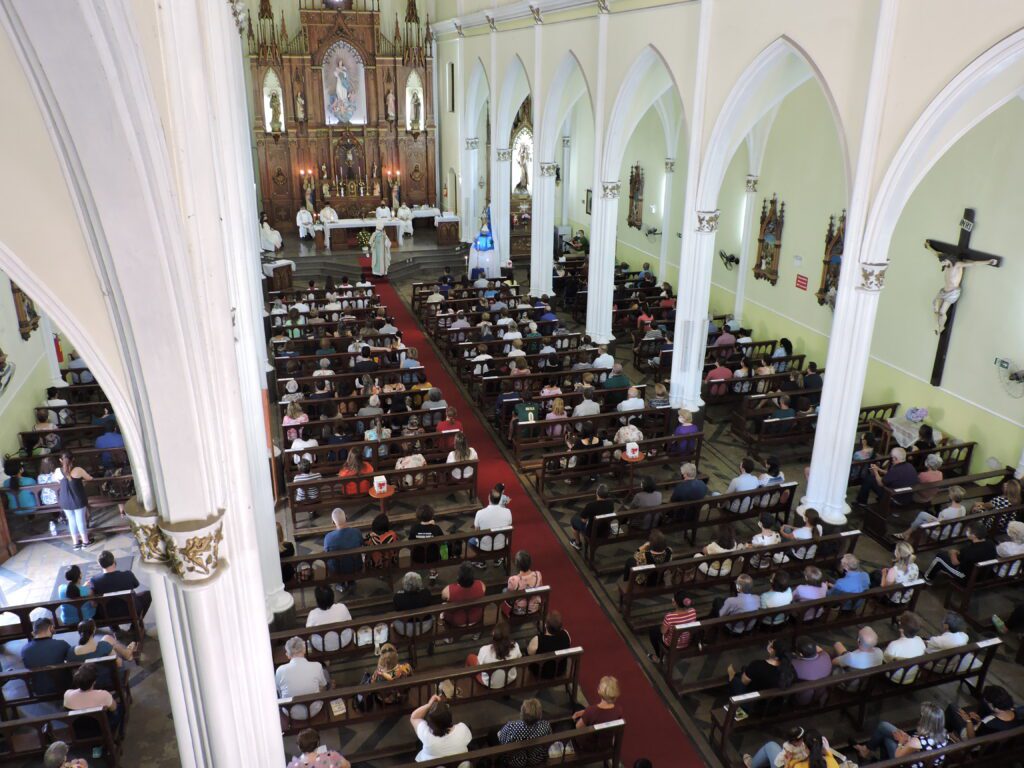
[275,112]
[414,111]
[325,181]
[300,107]
[307,192]
[523,187]
[395,195]
[389,100]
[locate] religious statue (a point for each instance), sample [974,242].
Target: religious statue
[635,214]
[307,191]
[376,186]
[300,107]
[362,188]
[395,195]
[380,250]
[416,174]
[952,276]
[414,111]
[523,187]
[832,264]
[325,182]
[769,240]
[275,112]
[389,102]
[342,106]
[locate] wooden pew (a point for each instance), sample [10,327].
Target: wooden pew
[304,365]
[20,687]
[504,415]
[73,436]
[1001,572]
[715,635]
[562,342]
[768,707]
[590,462]
[417,689]
[949,534]
[447,338]
[690,516]
[349,381]
[728,392]
[86,458]
[886,509]
[466,370]
[29,737]
[956,458]
[996,750]
[22,629]
[102,492]
[328,459]
[531,441]
[787,364]
[413,630]
[531,383]
[687,574]
[391,561]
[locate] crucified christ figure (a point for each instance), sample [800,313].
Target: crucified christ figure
[949,294]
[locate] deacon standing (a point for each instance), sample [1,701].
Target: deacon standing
[380,250]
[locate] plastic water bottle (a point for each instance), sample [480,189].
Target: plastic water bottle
[53,527]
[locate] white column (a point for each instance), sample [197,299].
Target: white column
[746,244]
[691,332]
[666,217]
[1019,474]
[860,281]
[542,247]
[501,202]
[470,191]
[601,284]
[46,329]
[566,159]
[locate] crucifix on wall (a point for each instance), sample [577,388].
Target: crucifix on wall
[954,259]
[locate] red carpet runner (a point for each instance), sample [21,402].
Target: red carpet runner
[651,730]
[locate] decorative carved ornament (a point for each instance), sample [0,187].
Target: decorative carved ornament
[190,552]
[769,240]
[504,155]
[707,221]
[751,183]
[239,13]
[610,190]
[670,165]
[491,24]
[535,10]
[602,6]
[566,142]
[458,30]
[472,143]
[832,262]
[548,169]
[872,277]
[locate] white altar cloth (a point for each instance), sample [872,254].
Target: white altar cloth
[360,224]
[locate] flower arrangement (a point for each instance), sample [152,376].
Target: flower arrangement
[917,415]
[363,238]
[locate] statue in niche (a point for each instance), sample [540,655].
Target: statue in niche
[769,240]
[414,111]
[395,195]
[300,107]
[375,177]
[308,191]
[275,112]
[325,181]
[390,108]
[635,214]
[833,262]
[523,187]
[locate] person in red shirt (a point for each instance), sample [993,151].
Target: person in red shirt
[451,424]
[718,373]
[682,613]
[605,711]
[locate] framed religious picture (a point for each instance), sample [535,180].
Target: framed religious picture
[590,201]
[832,262]
[769,240]
[635,215]
[28,318]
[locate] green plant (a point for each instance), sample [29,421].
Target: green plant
[363,238]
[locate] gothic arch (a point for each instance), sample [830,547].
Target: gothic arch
[568,88]
[776,72]
[478,94]
[515,87]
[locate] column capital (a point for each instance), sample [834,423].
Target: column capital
[504,155]
[239,13]
[490,23]
[872,277]
[670,165]
[566,142]
[610,190]
[751,183]
[548,169]
[473,143]
[707,221]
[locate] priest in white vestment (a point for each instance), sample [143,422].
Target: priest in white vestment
[328,215]
[304,221]
[404,215]
[383,212]
[270,238]
[380,250]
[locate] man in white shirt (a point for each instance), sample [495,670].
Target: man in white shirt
[603,359]
[480,360]
[435,297]
[81,374]
[300,677]
[495,515]
[304,221]
[745,481]
[383,212]
[460,321]
[587,407]
[328,215]
[63,416]
[866,655]
[953,634]
[907,646]
[633,402]
[404,215]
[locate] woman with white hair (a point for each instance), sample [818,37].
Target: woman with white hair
[931,473]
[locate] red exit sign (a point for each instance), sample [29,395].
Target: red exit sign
[801,282]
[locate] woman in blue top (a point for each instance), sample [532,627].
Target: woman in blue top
[22,502]
[92,647]
[785,349]
[72,614]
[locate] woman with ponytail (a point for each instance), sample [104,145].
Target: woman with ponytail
[93,646]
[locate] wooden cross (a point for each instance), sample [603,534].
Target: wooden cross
[958,257]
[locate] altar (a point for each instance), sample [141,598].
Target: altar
[393,227]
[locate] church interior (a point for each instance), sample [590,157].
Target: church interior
[681,342]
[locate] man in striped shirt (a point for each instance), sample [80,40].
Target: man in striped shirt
[682,612]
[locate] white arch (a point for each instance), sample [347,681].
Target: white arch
[776,72]
[648,81]
[515,87]
[478,94]
[982,87]
[568,87]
